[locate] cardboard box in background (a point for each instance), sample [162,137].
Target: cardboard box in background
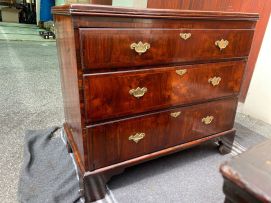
[10,15]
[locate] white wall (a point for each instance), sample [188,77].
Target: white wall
[258,101]
[130,3]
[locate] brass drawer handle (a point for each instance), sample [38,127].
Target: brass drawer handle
[140,47]
[214,81]
[137,137]
[175,114]
[207,120]
[185,36]
[138,92]
[181,71]
[222,44]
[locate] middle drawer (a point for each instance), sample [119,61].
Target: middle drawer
[110,95]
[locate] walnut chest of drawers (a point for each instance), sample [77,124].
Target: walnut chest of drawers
[140,84]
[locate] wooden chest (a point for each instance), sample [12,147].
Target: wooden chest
[247,177]
[139,84]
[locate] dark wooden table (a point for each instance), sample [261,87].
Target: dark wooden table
[247,177]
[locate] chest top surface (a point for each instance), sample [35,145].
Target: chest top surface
[111,11]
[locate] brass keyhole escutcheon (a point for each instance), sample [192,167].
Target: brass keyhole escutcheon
[214,81]
[181,71]
[222,44]
[140,47]
[137,137]
[175,114]
[207,120]
[185,36]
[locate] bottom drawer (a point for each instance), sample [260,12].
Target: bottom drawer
[121,140]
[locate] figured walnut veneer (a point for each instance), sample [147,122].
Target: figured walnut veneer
[143,83]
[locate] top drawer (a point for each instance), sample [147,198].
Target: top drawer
[112,48]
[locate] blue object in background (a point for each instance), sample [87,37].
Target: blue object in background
[45,10]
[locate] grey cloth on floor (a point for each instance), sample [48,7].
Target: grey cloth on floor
[48,173]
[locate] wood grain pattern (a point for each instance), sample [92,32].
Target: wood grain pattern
[74,146]
[94,182]
[164,152]
[235,194]
[109,11]
[248,175]
[206,5]
[101,2]
[119,22]
[98,70]
[111,141]
[263,8]
[107,95]
[113,46]
[69,81]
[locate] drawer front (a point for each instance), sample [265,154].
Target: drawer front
[122,140]
[118,94]
[112,48]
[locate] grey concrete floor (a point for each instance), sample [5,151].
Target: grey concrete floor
[30,98]
[254,124]
[20,32]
